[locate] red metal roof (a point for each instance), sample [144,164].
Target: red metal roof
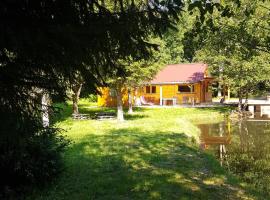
[181,73]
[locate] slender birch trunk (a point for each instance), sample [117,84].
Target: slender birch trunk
[219,90]
[130,110]
[120,112]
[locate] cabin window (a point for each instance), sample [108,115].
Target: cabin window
[151,89]
[186,88]
[148,89]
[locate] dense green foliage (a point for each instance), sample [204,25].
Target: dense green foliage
[235,46]
[30,155]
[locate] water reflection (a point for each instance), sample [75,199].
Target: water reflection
[216,135]
[243,147]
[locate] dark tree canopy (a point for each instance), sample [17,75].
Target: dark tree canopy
[43,43]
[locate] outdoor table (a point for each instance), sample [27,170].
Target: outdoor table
[164,101]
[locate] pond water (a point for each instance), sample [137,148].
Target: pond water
[242,147]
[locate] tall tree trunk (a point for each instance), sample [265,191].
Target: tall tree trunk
[130,110]
[220,69]
[224,92]
[45,109]
[246,101]
[120,113]
[75,97]
[219,90]
[240,93]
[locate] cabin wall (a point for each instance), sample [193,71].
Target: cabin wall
[107,97]
[154,98]
[207,91]
[199,95]
[171,91]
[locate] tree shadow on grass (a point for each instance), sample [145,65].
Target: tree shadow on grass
[128,163]
[134,116]
[64,112]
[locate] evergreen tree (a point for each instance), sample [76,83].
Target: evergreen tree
[42,43]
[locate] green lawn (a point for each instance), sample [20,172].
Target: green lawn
[154,154]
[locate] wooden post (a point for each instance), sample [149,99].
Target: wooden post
[160,95]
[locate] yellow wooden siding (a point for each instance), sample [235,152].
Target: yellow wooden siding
[152,97]
[106,100]
[168,91]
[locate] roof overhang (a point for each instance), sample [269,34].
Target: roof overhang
[172,83]
[210,79]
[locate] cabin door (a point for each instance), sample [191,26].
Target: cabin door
[202,92]
[207,91]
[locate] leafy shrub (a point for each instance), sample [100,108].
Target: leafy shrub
[29,154]
[92,98]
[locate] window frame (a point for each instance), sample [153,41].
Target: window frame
[153,86]
[146,89]
[191,86]
[149,89]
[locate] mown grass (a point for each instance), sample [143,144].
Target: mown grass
[152,155]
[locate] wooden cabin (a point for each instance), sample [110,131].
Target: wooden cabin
[173,85]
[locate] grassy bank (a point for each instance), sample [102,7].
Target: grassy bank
[152,155]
